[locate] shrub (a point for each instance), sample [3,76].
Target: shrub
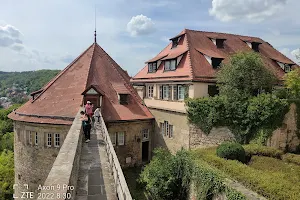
[254,149]
[291,158]
[231,151]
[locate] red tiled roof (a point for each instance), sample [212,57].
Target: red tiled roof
[62,96]
[197,68]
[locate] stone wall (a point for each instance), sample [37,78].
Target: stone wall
[63,175]
[180,137]
[198,139]
[133,140]
[34,162]
[285,137]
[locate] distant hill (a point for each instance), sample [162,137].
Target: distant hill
[17,85]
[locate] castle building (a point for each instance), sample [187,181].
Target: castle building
[41,124]
[187,67]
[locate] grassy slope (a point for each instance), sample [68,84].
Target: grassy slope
[270,177]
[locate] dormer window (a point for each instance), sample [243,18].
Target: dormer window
[152,67]
[170,65]
[175,42]
[255,46]
[216,62]
[123,98]
[220,43]
[287,68]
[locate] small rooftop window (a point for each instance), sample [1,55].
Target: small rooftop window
[255,46]
[216,62]
[123,99]
[175,42]
[170,65]
[220,43]
[152,67]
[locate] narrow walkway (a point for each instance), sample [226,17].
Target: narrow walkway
[95,180]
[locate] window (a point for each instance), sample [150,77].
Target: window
[113,138]
[150,91]
[152,67]
[216,62]
[56,140]
[29,136]
[170,65]
[287,68]
[160,92]
[36,142]
[175,42]
[175,92]
[49,139]
[166,128]
[121,137]
[145,133]
[220,43]
[165,92]
[170,131]
[162,128]
[255,46]
[213,90]
[180,92]
[123,99]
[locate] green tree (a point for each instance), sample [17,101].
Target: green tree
[6,175]
[245,75]
[168,176]
[7,142]
[292,82]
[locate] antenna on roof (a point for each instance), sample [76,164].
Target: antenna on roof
[95,27]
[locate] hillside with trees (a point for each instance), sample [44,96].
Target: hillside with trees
[16,86]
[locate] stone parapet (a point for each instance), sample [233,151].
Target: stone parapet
[62,179]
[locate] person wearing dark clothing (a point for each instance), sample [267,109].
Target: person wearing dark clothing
[86,125]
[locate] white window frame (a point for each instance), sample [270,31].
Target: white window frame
[172,64]
[166,92]
[180,92]
[121,138]
[56,140]
[145,134]
[150,91]
[49,142]
[36,139]
[287,68]
[113,138]
[29,133]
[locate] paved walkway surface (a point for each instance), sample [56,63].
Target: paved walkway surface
[95,181]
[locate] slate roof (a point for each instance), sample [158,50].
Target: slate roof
[194,66]
[61,98]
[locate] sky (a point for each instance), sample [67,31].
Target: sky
[44,34]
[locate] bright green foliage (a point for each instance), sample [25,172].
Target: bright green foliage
[244,117]
[168,176]
[244,75]
[7,142]
[292,82]
[6,124]
[270,177]
[6,175]
[259,150]
[232,151]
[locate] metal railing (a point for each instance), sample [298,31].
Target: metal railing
[122,190]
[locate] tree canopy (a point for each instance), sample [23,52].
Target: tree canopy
[292,82]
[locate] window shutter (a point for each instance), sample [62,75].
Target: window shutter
[160,92]
[170,92]
[175,92]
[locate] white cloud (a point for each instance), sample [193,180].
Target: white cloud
[140,25]
[250,10]
[9,36]
[292,54]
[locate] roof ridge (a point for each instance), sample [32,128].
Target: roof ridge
[60,74]
[188,54]
[223,33]
[126,84]
[90,64]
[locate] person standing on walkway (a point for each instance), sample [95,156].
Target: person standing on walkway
[89,109]
[86,125]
